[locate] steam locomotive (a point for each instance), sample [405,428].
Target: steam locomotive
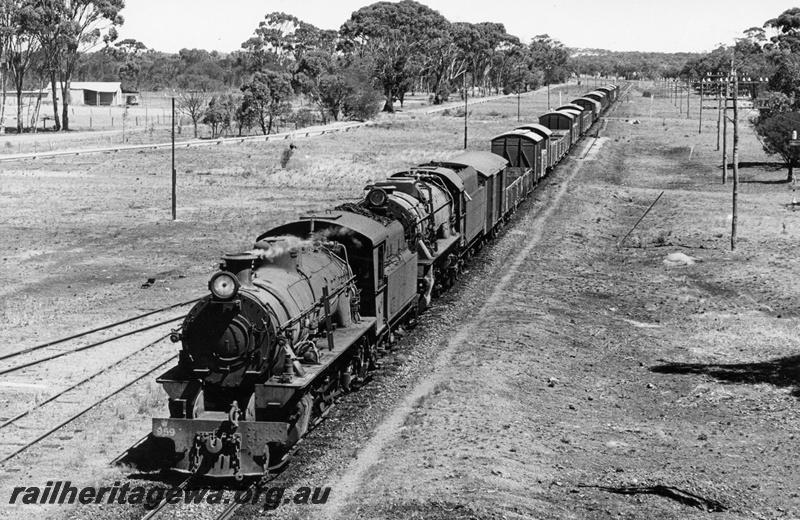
[301,317]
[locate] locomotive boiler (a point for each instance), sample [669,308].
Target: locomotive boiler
[249,349]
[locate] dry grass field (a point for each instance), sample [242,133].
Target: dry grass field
[597,382]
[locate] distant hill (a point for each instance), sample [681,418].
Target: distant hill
[628,64]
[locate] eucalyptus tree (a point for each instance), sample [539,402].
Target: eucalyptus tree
[266,97]
[779,115]
[68,28]
[787,25]
[551,57]
[19,49]
[510,65]
[128,53]
[272,44]
[479,43]
[445,62]
[397,38]
[8,9]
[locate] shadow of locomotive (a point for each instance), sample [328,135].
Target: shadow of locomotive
[781,372]
[146,455]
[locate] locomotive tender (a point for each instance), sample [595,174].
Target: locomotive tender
[299,319]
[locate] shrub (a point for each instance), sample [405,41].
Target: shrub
[363,104]
[304,117]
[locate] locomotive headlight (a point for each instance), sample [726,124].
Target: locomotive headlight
[224,286]
[377,197]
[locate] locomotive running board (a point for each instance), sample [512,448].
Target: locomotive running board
[276,393]
[444,245]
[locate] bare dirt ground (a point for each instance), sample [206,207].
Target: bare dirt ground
[598,382]
[566,378]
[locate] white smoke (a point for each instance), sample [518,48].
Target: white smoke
[273,247]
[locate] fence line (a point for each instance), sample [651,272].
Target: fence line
[296,134]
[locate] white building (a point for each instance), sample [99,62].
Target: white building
[91,93]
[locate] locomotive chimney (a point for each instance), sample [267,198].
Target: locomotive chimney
[241,264]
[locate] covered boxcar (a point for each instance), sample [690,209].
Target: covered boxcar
[589,104]
[610,91]
[523,149]
[562,122]
[509,185]
[600,97]
[584,116]
[549,158]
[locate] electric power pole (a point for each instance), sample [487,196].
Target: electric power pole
[700,127]
[725,135]
[735,157]
[688,91]
[719,110]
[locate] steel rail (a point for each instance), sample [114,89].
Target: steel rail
[84,411]
[98,329]
[163,502]
[86,347]
[56,396]
[231,508]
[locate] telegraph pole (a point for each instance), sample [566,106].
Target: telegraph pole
[174,176]
[719,110]
[548,96]
[466,112]
[725,136]
[688,91]
[700,128]
[735,157]
[519,78]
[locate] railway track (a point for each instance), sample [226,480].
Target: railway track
[42,432]
[27,420]
[230,502]
[233,499]
[19,365]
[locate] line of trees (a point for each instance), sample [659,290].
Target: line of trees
[381,53]
[384,51]
[769,70]
[41,42]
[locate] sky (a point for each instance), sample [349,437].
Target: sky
[617,25]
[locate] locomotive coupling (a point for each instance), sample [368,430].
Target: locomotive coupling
[216,448]
[175,336]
